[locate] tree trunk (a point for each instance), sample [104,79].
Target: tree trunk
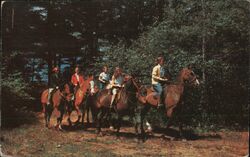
[50,53]
[204,93]
[12,18]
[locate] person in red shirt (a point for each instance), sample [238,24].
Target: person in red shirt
[77,78]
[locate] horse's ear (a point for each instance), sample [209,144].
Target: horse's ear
[190,66]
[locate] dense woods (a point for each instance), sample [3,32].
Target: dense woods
[211,36]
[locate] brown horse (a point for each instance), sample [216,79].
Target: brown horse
[80,97]
[125,103]
[59,100]
[172,96]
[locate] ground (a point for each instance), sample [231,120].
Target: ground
[36,140]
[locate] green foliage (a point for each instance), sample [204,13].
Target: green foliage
[179,39]
[17,87]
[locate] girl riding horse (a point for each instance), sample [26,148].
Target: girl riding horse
[125,104]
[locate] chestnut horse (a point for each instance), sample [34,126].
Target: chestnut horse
[172,97]
[59,100]
[79,103]
[125,103]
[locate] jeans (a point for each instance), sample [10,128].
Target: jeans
[102,85]
[158,88]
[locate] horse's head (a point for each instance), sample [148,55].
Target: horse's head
[66,89]
[85,84]
[188,76]
[131,83]
[66,92]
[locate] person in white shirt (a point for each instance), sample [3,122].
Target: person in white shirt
[158,74]
[92,84]
[103,78]
[116,84]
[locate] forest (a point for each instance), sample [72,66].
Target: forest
[211,36]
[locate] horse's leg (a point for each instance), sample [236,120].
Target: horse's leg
[169,122]
[143,114]
[83,109]
[46,115]
[69,110]
[78,111]
[58,113]
[180,114]
[100,115]
[87,110]
[119,119]
[59,119]
[136,124]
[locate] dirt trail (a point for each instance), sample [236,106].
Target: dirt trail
[36,140]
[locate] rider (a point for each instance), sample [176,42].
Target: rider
[103,77]
[92,84]
[54,83]
[158,77]
[116,83]
[77,79]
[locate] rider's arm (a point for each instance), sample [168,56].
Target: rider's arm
[112,82]
[100,78]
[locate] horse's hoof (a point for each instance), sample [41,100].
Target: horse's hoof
[111,128]
[100,134]
[184,140]
[60,129]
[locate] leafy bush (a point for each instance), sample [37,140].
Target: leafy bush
[222,98]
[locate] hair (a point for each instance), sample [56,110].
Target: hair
[55,68]
[158,59]
[104,67]
[116,73]
[90,74]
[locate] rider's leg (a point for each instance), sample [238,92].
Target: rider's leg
[158,90]
[114,91]
[49,96]
[101,85]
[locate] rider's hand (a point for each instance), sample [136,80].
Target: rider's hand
[165,79]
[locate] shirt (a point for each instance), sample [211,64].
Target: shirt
[157,73]
[104,76]
[117,81]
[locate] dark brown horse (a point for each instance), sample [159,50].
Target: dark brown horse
[59,100]
[172,96]
[125,103]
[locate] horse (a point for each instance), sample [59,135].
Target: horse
[79,103]
[125,104]
[59,100]
[172,97]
